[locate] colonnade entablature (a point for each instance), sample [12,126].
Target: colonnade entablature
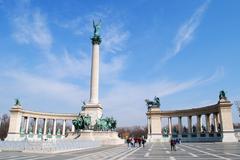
[218,124]
[38,125]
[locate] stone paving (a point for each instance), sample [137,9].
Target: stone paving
[152,151]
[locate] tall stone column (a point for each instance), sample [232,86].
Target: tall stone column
[94,75]
[170,125]
[93,108]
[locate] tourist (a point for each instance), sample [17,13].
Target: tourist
[128,142]
[172,144]
[143,142]
[139,142]
[133,142]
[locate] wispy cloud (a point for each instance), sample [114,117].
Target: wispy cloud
[31,28]
[186,31]
[115,38]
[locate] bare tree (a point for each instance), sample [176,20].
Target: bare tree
[4,126]
[135,131]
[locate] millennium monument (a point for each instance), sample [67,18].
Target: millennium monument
[218,125]
[88,127]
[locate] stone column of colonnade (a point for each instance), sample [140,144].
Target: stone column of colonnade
[180,125]
[199,124]
[189,125]
[26,124]
[216,121]
[208,129]
[64,128]
[149,125]
[45,127]
[36,126]
[170,125]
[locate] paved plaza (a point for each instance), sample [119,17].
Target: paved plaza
[152,151]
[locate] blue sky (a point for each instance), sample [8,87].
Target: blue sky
[185,52]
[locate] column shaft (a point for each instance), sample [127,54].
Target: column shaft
[54,126]
[94,74]
[170,125]
[149,125]
[27,124]
[190,124]
[36,126]
[64,126]
[45,126]
[199,124]
[216,121]
[180,125]
[208,123]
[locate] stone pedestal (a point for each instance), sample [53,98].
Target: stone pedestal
[15,123]
[105,137]
[225,112]
[94,111]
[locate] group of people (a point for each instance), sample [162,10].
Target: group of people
[131,142]
[173,143]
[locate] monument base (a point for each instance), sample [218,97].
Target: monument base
[14,137]
[105,137]
[94,111]
[229,137]
[154,138]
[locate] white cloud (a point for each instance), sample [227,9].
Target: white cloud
[186,31]
[31,28]
[115,39]
[45,94]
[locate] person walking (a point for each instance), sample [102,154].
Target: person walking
[128,142]
[139,142]
[133,142]
[143,142]
[172,144]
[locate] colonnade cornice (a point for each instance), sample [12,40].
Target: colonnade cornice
[187,112]
[46,115]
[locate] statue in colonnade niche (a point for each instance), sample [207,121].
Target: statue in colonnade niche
[49,131]
[39,131]
[165,131]
[58,131]
[154,103]
[175,130]
[185,129]
[212,128]
[194,129]
[204,130]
